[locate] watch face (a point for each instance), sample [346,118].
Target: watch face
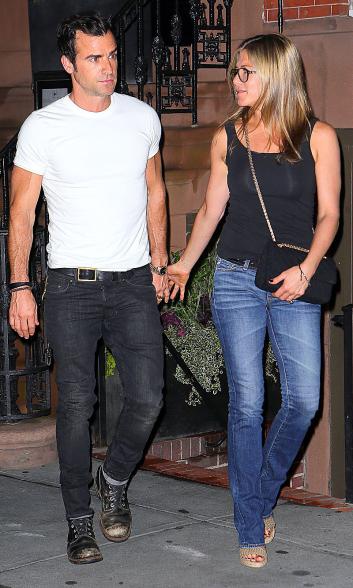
[162,270]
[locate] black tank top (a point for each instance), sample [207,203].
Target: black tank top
[288,189]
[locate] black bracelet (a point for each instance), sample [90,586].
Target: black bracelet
[302,275]
[15,285]
[20,288]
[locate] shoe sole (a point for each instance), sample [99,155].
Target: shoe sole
[113,539]
[87,560]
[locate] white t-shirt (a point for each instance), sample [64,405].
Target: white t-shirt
[93,166]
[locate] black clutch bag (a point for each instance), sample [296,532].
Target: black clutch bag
[277,257]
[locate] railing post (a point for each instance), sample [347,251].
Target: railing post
[140,64]
[280,16]
[346,321]
[122,85]
[158,50]
[348,398]
[195,14]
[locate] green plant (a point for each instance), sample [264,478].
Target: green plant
[198,290]
[190,328]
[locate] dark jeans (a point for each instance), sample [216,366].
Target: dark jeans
[124,312]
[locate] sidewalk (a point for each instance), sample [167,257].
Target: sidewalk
[183,536]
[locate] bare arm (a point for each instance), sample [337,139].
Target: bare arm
[208,217]
[25,190]
[157,223]
[325,150]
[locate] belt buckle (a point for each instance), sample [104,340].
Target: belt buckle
[87,279]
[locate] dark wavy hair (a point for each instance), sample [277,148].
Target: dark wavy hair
[91,24]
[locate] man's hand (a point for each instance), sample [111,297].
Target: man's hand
[161,285]
[23,316]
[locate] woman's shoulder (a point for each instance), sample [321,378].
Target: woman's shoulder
[323,136]
[220,142]
[322,131]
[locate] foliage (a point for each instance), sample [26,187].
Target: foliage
[110,364]
[200,348]
[196,307]
[189,327]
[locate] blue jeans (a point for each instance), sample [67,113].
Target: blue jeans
[242,313]
[124,312]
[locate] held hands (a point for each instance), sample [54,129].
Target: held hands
[23,316]
[161,286]
[178,275]
[295,282]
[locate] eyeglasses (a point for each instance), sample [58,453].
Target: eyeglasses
[242,73]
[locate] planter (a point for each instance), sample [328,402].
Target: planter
[180,419]
[177,418]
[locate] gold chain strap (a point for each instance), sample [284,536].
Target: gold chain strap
[290,246]
[257,184]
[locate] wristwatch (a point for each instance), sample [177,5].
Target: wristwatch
[161,270]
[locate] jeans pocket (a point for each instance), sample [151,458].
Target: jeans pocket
[58,283]
[140,276]
[223,265]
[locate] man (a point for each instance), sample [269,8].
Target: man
[96,155]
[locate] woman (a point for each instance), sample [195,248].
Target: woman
[297,164]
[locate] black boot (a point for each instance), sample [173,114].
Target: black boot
[82,547]
[115,519]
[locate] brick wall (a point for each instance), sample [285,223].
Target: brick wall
[303,9]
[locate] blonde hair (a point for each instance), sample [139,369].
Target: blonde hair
[283,101]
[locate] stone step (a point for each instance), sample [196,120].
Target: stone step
[208,461]
[28,443]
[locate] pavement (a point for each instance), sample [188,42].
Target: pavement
[182,536]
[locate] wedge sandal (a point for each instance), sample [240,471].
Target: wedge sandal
[247,552]
[270,529]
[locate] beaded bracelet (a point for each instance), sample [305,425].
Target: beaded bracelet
[302,275]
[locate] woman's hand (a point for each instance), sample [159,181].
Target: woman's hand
[178,275]
[294,284]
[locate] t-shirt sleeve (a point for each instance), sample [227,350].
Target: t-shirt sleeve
[31,152]
[155,134]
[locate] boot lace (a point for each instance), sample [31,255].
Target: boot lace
[116,496]
[82,527]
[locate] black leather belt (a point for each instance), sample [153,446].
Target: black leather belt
[244,262]
[86,274]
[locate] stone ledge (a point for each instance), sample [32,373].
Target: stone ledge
[27,444]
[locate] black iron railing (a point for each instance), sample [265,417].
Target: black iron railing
[280,16]
[24,365]
[172,74]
